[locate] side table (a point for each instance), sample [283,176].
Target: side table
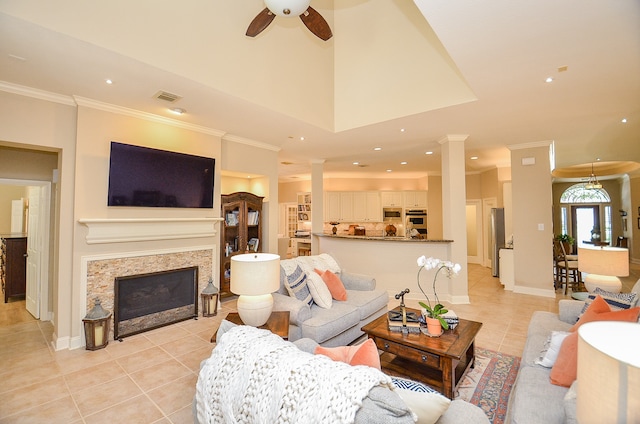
[278,323]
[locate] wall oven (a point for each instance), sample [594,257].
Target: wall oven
[418,218]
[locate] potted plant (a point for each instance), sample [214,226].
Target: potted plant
[434,314]
[434,319]
[567,242]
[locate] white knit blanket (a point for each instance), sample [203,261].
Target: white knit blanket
[253,376]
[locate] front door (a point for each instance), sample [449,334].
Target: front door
[583,219]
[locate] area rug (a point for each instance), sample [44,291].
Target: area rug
[489,383]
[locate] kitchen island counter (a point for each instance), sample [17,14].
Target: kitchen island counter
[392,261]
[382,238]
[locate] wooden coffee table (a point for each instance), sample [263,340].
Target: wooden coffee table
[440,362]
[278,323]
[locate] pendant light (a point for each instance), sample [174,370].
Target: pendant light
[593,182]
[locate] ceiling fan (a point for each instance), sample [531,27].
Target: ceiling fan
[289,8]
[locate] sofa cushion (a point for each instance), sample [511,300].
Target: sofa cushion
[297,286]
[565,370]
[367,302]
[327,323]
[533,400]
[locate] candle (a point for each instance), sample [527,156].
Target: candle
[99,336]
[212,304]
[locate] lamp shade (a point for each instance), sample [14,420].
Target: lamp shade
[610,261]
[608,372]
[255,274]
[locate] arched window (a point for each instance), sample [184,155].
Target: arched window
[578,194]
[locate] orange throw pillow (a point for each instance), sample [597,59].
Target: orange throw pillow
[565,370]
[362,354]
[334,284]
[597,306]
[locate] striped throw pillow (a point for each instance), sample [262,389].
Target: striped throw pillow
[616,301]
[296,285]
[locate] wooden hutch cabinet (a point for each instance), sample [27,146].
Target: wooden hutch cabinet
[241,231]
[13,266]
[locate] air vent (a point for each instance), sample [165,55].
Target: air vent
[167,97]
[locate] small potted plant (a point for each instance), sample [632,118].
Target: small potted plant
[567,242]
[434,315]
[434,319]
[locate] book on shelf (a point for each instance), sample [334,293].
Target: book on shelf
[231,219]
[252,245]
[253,217]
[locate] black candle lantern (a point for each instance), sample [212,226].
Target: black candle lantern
[209,300]
[96,327]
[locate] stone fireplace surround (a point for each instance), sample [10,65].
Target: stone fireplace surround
[98,272]
[102,271]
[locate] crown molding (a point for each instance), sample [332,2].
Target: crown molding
[36,93]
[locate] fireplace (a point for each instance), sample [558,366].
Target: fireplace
[146,301]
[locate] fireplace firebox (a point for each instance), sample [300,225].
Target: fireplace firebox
[144,302]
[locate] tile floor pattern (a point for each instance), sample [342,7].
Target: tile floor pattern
[151,377]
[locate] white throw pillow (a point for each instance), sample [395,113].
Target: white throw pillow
[550,354]
[319,290]
[429,407]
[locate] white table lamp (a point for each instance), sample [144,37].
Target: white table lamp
[608,372]
[603,265]
[254,276]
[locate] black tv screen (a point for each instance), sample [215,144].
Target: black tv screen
[141,176]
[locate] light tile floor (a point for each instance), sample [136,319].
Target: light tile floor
[151,377]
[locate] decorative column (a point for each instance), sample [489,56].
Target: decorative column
[317,202]
[454,205]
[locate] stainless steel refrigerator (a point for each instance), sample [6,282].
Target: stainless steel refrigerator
[497,239]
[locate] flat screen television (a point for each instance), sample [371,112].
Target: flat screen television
[146,177]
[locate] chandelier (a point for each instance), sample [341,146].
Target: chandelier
[593,182]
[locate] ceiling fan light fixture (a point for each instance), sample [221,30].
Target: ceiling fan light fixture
[287,8]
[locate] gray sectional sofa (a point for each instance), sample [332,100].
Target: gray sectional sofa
[340,324]
[533,398]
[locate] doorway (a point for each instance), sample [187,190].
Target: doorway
[37,230]
[584,218]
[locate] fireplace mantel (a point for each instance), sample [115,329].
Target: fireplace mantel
[102,230]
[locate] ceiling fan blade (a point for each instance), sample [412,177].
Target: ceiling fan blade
[316,24]
[260,22]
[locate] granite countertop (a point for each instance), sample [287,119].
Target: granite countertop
[397,238]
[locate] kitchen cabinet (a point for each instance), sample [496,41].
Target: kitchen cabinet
[392,199]
[366,206]
[346,206]
[415,199]
[332,212]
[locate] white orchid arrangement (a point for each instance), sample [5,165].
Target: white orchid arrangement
[451,269]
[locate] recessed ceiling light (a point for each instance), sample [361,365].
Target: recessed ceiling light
[474,158]
[401,129]
[301,138]
[389,170]
[403,163]
[177,111]
[377,149]
[549,79]
[624,120]
[356,163]
[109,81]
[428,153]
